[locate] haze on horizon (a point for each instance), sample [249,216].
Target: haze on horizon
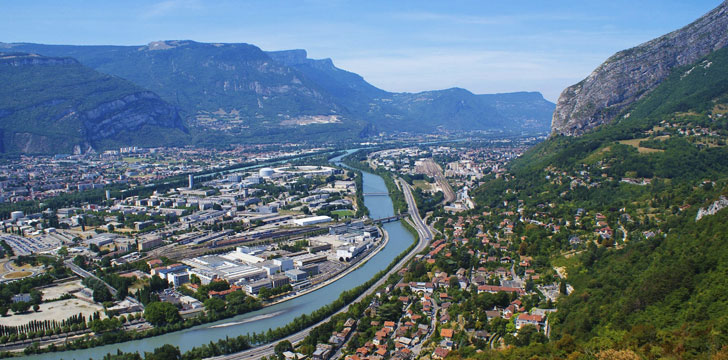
[485,47]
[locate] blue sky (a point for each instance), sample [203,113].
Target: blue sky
[485,46]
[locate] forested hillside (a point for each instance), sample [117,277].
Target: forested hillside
[57,105]
[649,275]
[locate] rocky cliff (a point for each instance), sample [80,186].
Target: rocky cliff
[630,74]
[55,104]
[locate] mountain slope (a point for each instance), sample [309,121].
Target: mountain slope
[694,96]
[240,91]
[630,74]
[459,109]
[344,85]
[53,105]
[657,288]
[428,111]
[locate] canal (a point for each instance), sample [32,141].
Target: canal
[279,314]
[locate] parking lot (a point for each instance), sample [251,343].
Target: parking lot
[29,245]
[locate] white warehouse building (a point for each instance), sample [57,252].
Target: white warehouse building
[349,252]
[312,220]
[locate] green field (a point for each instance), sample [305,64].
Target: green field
[422,185]
[343,213]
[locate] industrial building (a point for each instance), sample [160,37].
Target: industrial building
[297,275]
[266,172]
[284,262]
[312,220]
[254,287]
[306,259]
[347,253]
[149,242]
[311,270]
[223,268]
[279,280]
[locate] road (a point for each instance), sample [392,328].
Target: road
[84,274]
[422,229]
[424,238]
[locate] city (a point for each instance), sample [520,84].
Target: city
[327,180]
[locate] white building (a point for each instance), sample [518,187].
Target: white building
[266,172]
[312,220]
[349,252]
[284,263]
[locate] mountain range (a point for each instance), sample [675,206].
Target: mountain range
[227,93]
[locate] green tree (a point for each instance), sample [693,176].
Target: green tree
[215,305]
[101,293]
[282,347]
[36,297]
[165,352]
[194,279]
[20,307]
[264,293]
[161,313]
[454,283]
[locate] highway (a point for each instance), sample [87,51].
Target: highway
[424,238]
[422,229]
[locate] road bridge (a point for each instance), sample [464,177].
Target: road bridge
[85,274]
[388,219]
[376,194]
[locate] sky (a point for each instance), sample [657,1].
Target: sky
[485,46]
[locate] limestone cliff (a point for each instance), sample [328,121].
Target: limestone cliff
[630,74]
[55,105]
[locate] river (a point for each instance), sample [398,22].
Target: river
[279,314]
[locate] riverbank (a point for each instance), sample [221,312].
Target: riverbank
[280,315]
[346,271]
[57,341]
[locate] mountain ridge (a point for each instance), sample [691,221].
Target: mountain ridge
[240,90]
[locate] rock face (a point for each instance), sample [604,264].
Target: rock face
[55,104]
[628,75]
[718,205]
[124,114]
